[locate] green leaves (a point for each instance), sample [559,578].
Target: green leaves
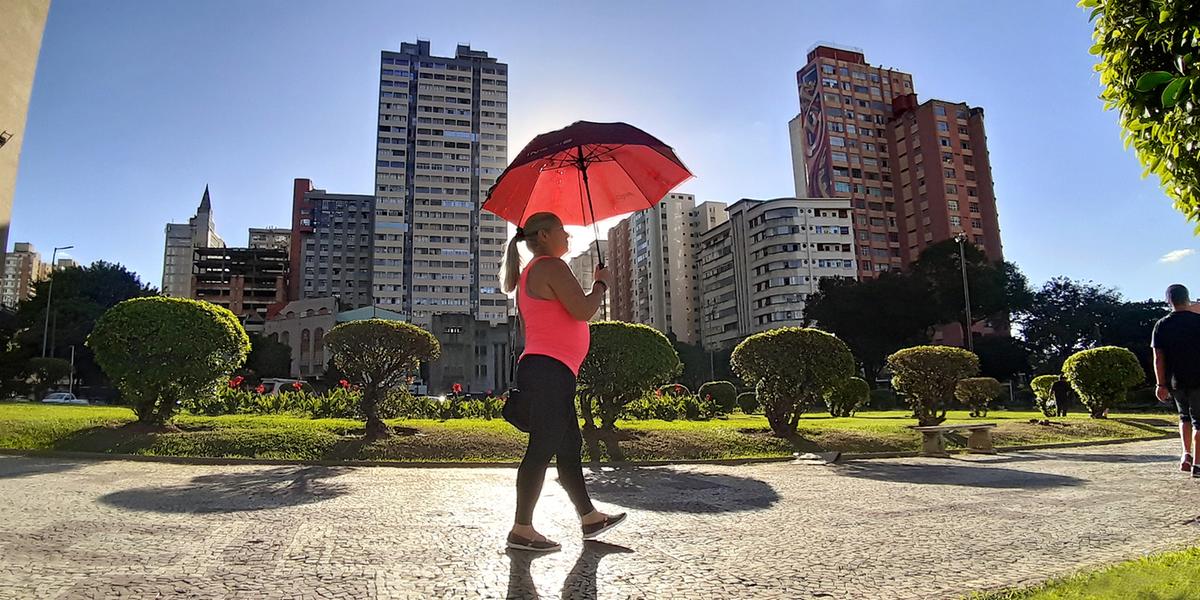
[625,361]
[1170,95]
[927,375]
[1102,375]
[1150,81]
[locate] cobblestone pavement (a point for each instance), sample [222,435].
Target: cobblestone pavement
[902,528]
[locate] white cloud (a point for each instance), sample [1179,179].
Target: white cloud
[1176,255]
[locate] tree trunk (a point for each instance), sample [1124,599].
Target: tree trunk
[375,427]
[585,408]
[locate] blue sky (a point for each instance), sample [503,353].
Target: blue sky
[138,104]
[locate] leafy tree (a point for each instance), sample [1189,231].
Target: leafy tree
[792,368]
[977,393]
[1101,376]
[269,357]
[378,355]
[1042,394]
[625,362]
[1149,67]
[44,372]
[1064,318]
[874,318]
[849,395]
[1130,325]
[161,351]
[81,296]
[1001,356]
[996,289]
[695,363]
[927,376]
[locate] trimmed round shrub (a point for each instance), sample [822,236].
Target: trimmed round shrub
[1101,376]
[378,355]
[792,369]
[160,351]
[748,402]
[927,375]
[625,362]
[1042,394]
[847,397]
[653,406]
[674,389]
[977,392]
[723,393]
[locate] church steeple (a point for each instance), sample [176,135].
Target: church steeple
[205,202]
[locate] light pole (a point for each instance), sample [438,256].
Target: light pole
[961,238]
[50,296]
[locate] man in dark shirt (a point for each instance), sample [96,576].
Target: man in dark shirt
[1061,390]
[1176,344]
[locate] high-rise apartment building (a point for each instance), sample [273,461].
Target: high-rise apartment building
[23,267]
[759,267]
[584,268]
[840,147]
[244,280]
[270,238]
[442,141]
[331,245]
[181,241]
[943,176]
[620,261]
[665,292]
[21,25]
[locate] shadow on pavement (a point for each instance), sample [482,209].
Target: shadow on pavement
[973,475]
[580,583]
[668,490]
[11,468]
[235,492]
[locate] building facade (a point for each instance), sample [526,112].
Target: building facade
[620,261]
[21,25]
[840,147]
[584,268]
[759,267]
[245,280]
[665,293]
[181,241]
[442,141]
[270,238]
[302,325]
[331,245]
[476,354]
[943,176]
[23,267]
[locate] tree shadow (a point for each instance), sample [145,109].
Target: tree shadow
[580,583]
[668,490]
[235,492]
[974,475]
[11,468]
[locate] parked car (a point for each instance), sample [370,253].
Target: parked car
[63,398]
[276,385]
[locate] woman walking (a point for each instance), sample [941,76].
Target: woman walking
[555,311]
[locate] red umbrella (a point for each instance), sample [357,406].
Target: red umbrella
[586,172]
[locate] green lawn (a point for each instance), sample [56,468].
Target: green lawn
[106,429]
[1169,576]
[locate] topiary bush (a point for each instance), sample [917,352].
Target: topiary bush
[723,393]
[1042,394]
[1149,68]
[927,376]
[748,402]
[792,368]
[624,363]
[977,392]
[378,355]
[847,397]
[1101,376]
[159,351]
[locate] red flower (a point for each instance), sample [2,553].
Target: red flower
[262,389]
[236,382]
[708,397]
[678,389]
[296,385]
[489,392]
[658,393]
[456,388]
[345,384]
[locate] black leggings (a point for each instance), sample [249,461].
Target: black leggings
[549,385]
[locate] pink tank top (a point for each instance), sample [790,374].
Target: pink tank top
[549,329]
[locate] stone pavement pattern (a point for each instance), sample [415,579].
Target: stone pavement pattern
[901,528]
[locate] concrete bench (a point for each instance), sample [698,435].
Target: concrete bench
[979,438]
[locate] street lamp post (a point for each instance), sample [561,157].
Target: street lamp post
[961,238]
[50,296]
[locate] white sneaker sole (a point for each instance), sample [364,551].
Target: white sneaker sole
[516,546]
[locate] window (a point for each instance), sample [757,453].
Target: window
[839,156]
[827,69]
[942,126]
[955,221]
[962,130]
[939,110]
[948,173]
[952,205]
[972,192]
[945,142]
[835,140]
[975,207]
[838,127]
[951,188]
[966,145]
[977,223]
[841,186]
[948,158]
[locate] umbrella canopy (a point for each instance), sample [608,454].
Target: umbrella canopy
[586,172]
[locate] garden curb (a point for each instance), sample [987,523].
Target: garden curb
[732,462]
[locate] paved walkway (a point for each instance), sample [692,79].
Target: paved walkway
[903,528]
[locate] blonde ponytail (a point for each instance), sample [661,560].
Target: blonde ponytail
[511,271]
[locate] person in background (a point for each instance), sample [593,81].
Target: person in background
[1176,344]
[1061,390]
[555,311]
